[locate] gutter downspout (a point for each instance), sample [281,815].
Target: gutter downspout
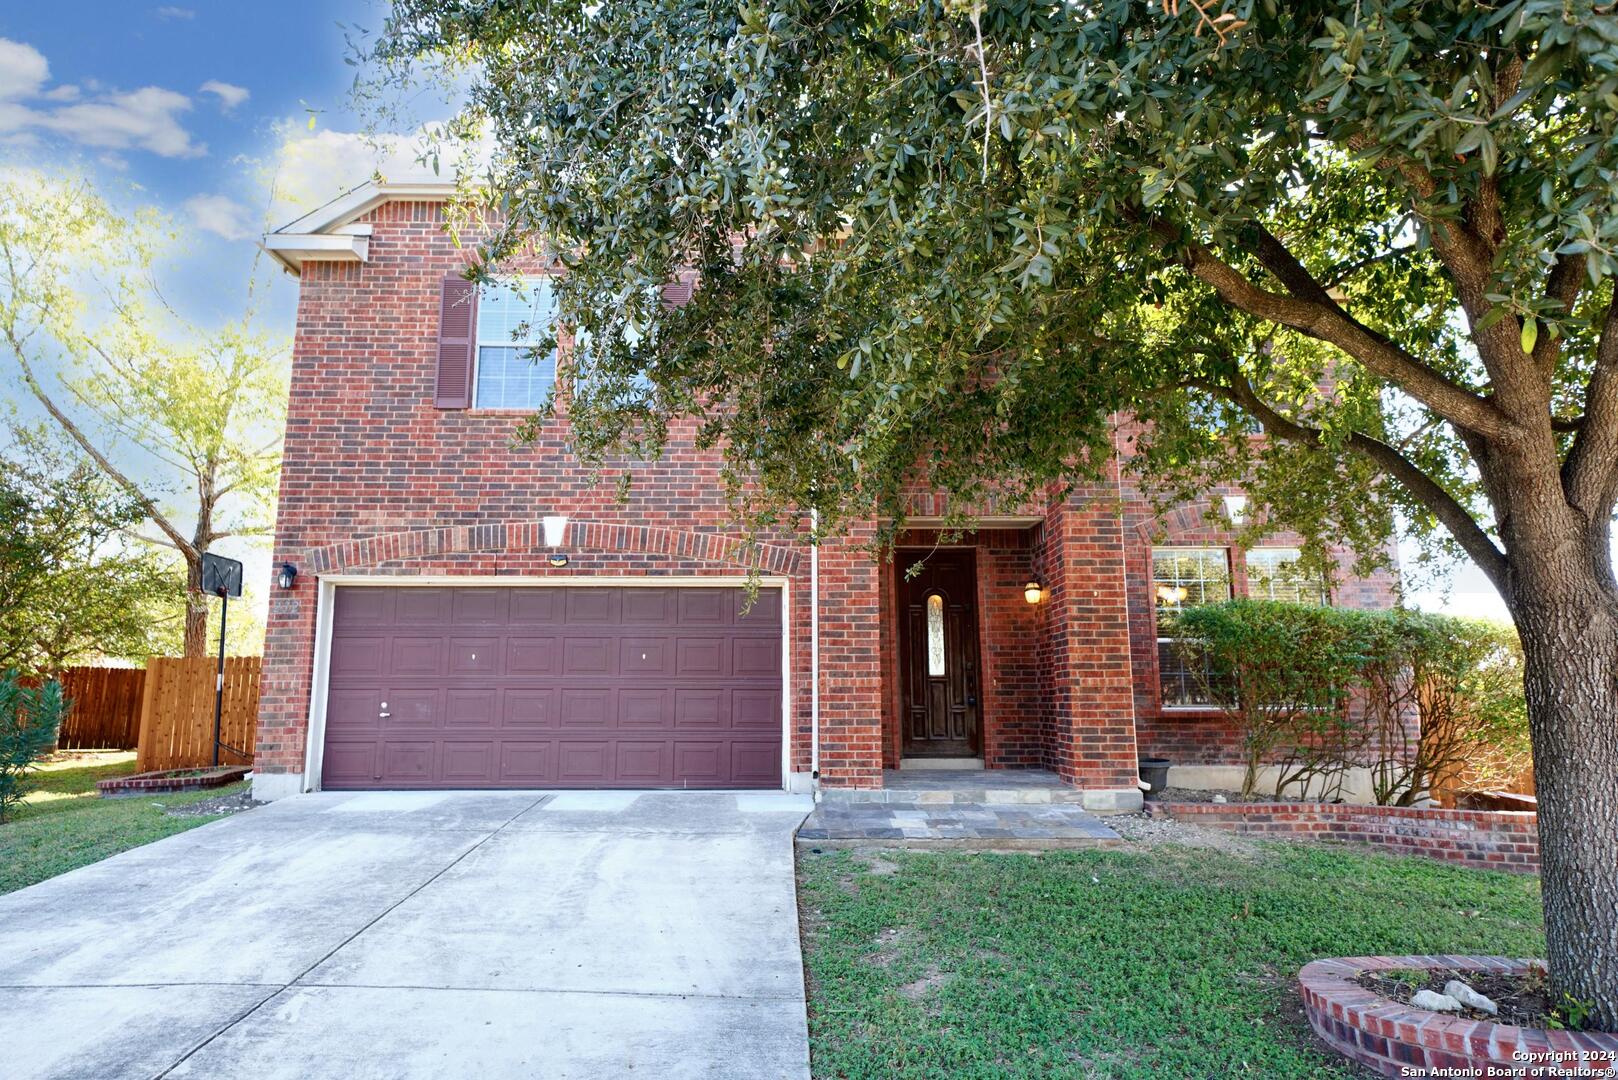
[814,652]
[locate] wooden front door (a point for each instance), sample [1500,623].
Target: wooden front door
[938,653]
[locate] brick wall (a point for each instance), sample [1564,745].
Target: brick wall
[1490,840]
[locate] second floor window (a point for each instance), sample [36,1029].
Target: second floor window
[1181,578]
[1274,574]
[511,319]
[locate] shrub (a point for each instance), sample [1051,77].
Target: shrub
[1282,674]
[1442,697]
[1445,697]
[29,720]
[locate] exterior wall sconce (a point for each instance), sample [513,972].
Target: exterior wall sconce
[555,536]
[287,576]
[1236,508]
[1033,592]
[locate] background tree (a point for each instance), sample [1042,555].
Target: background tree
[973,233]
[73,587]
[186,423]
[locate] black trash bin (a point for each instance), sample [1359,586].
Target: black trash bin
[1155,771]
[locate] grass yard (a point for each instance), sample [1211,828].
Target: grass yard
[63,824]
[1158,962]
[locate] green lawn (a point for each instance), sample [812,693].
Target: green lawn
[63,824]
[1164,962]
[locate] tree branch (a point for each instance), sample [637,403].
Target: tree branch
[1423,488]
[1590,474]
[146,504]
[1310,311]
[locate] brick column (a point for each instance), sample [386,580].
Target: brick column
[1085,649]
[850,662]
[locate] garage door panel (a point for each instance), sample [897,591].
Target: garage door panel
[648,607]
[526,708]
[647,709]
[701,657]
[363,608]
[480,607]
[350,763]
[353,708]
[408,762]
[474,656]
[757,763]
[590,605]
[756,656]
[527,764]
[471,708]
[587,656]
[536,607]
[421,607]
[467,761]
[411,708]
[584,763]
[699,709]
[755,710]
[700,763]
[359,656]
[647,763]
[531,656]
[554,686]
[585,708]
[704,607]
[765,612]
[416,656]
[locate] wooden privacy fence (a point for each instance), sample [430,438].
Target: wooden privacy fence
[105,711]
[176,726]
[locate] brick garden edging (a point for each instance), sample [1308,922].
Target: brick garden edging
[1493,840]
[165,781]
[1400,1040]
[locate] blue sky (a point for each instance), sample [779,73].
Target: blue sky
[193,107]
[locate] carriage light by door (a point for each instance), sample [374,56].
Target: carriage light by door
[287,576]
[1032,592]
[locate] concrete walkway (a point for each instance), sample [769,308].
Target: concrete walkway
[394,935]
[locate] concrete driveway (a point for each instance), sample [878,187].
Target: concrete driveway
[398,935]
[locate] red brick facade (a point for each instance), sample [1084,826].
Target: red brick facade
[377,480]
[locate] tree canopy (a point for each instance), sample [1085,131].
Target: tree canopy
[975,238]
[186,422]
[974,234]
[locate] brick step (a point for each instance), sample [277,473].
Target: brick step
[1001,787]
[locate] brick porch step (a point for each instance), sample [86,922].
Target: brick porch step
[940,787]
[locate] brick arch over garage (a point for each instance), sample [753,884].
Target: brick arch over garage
[527,537]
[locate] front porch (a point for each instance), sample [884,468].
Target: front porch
[997,809]
[1004,652]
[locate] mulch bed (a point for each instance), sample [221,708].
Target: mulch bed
[218,806]
[1524,1000]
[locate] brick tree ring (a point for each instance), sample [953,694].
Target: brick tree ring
[1397,1039]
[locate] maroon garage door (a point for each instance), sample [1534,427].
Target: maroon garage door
[551,686]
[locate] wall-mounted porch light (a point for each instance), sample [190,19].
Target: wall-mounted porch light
[555,536]
[1033,592]
[288,576]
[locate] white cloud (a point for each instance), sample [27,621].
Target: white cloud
[23,70]
[220,215]
[144,119]
[229,95]
[314,167]
[171,12]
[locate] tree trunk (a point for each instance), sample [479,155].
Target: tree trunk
[196,610]
[1569,634]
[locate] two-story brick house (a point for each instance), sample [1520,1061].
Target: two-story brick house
[440,632]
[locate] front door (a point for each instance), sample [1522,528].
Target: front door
[938,653]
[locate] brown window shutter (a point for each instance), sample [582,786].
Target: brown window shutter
[457,342]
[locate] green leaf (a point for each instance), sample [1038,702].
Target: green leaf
[1530,333]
